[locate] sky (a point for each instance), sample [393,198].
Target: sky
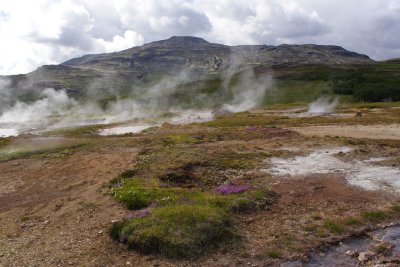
[38,32]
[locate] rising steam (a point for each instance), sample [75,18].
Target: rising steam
[55,108]
[323,105]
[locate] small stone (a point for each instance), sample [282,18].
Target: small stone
[100,232]
[128,263]
[249,220]
[352,253]
[366,256]
[16,164]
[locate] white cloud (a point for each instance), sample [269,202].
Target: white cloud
[118,43]
[51,31]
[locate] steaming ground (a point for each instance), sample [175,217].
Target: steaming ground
[154,104]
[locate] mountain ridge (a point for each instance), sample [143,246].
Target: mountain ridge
[187,49]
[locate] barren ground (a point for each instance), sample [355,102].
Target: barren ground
[55,207]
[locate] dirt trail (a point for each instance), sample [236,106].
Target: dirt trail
[391,132]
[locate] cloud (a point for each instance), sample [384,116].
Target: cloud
[52,31]
[268,22]
[119,43]
[161,19]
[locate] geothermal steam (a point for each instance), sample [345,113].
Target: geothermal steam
[323,105]
[55,108]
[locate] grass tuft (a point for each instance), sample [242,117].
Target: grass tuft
[375,215]
[275,254]
[334,226]
[352,221]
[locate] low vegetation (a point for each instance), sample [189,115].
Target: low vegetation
[179,230]
[179,222]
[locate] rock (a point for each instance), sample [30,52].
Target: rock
[352,253]
[16,163]
[366,256]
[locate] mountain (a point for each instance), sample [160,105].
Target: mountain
[143,64]
[301,73]
[178,53]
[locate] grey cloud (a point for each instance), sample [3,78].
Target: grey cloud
[385,30]
[107,22]
[371,27]
[75,32]
[160,20]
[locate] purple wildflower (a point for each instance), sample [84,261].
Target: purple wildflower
[138,214]
[231,189]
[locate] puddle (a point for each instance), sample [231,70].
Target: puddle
[364,174]
[124,130]
[347,253]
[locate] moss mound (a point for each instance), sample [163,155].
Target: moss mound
[176,231]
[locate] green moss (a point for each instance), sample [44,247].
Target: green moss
[275,254]
[375,215]
[334,226]
[25,218]
[135,195]
[352,221]
[396,208]
[176,231]
[58,152]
